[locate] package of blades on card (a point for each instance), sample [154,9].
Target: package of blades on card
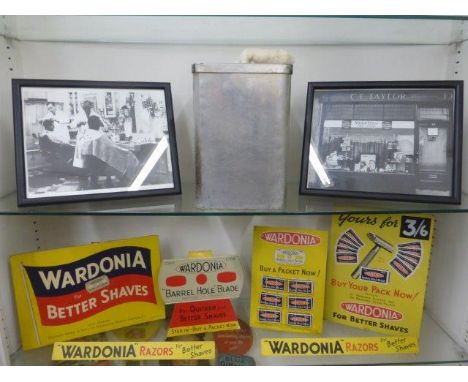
[377,271]
[66,293]
[288,279]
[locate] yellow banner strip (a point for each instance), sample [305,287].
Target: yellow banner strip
[205,328]
[298,347]
[133,350]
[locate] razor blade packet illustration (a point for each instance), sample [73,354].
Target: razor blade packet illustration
[288,279]
[68,293]
[377,271]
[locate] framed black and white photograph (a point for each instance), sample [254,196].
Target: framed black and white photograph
[384,140]
[89,140]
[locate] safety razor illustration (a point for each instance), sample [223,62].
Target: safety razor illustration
[378,243]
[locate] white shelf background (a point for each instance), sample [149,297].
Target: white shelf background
[163,49]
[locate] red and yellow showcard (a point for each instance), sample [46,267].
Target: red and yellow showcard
[73,292]
[202,317]
[185,282]
[377,271]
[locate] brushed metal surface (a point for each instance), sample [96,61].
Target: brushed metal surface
[241,130]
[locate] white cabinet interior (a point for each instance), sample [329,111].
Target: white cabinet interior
[163,49]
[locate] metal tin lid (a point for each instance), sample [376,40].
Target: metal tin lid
[242,68]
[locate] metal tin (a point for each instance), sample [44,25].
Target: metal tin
[236,342]
[242,68]
[241,120]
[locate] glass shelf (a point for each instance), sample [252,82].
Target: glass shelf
[185,205]
[436,347]
[258,30]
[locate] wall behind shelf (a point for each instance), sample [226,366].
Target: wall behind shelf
[9,68]
[17,235]
[448,278]
[459,71]
[172,63]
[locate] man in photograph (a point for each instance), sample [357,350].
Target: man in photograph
[81,122]
[55,125]
[371,167]
[98,155]
[126,121]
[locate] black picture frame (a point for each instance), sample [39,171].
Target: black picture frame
[346,121]
[93,140]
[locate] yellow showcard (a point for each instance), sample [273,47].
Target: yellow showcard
[306,347]
[288,279]
[133,350]
[377,271]
[72,292]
